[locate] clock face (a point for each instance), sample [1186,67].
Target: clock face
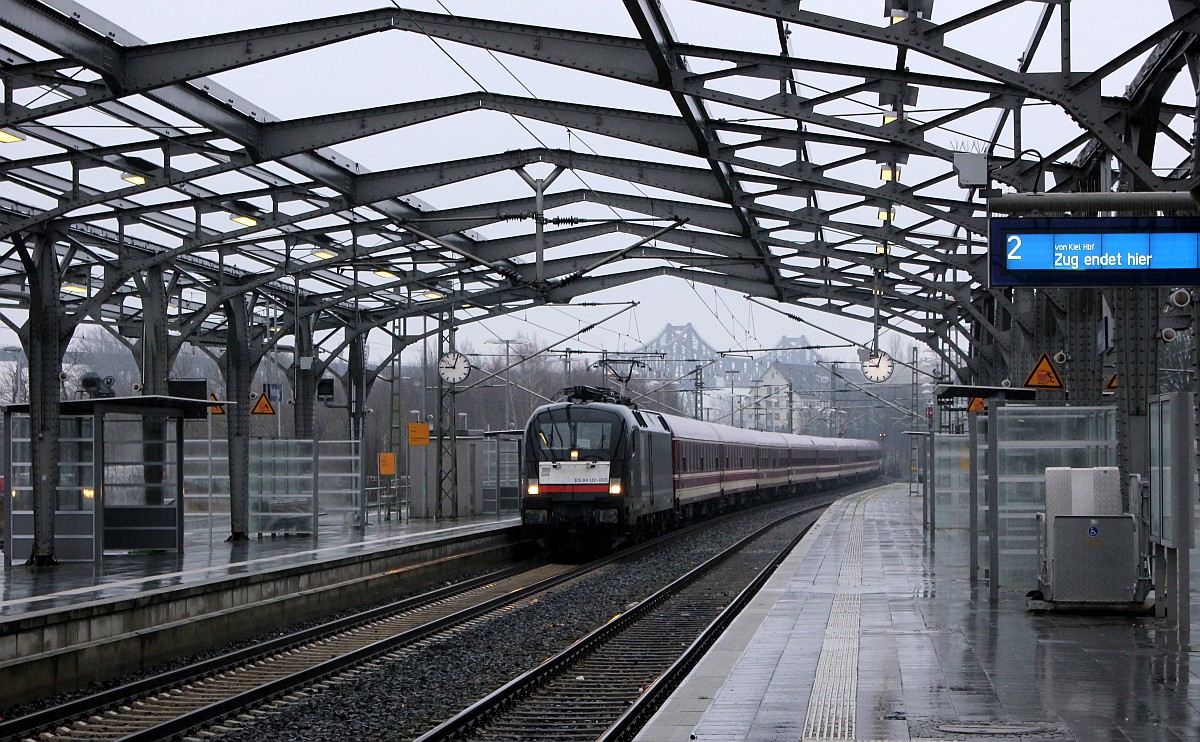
[878,367]
[454,367]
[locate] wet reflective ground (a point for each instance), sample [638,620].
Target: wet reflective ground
[870,633]
[208,557]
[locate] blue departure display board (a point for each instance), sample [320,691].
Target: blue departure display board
[1102,251]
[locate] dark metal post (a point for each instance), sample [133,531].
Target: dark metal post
[993,498]
[98,487]
[973,488]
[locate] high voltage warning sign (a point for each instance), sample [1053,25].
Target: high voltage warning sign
[977,405]
[263,406]
[1043,375]
[218,409]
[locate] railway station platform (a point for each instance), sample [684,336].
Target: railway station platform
[66,626]
[870,631]
[207,557]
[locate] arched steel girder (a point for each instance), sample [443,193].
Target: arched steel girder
[604,54]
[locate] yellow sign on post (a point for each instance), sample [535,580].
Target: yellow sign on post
[216,409]
[387,464]
[977,405]
[263,406]
[1043,375]
[418,434]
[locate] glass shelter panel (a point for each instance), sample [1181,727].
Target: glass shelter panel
[74,511]
[206,475]
[952,480]
[1030,440]
[282,486]
[339,481]
[139,461]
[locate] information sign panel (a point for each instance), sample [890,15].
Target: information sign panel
[1101,251]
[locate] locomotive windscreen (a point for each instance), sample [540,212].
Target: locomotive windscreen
[589,434]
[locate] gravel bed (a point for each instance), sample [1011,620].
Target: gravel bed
[402,699]
[102,685]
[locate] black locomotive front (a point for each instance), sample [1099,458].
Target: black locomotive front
[576,470]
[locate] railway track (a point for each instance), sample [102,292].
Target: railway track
[172,703]
[605,685]
[235,687]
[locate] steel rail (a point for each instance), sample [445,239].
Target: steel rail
[53,716]
[468,721]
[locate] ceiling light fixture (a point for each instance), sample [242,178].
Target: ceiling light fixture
[244,213]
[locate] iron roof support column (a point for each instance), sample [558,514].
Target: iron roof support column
[1085,380]
[238,362]
[154,358]
[45,343]
[1136,319]
[304,379]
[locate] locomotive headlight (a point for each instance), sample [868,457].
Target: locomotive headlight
[533,488]
[614,488]
[574,455]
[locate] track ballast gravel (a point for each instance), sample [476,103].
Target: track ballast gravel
[401,699]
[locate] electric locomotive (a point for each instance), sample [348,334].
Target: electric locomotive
[597,470]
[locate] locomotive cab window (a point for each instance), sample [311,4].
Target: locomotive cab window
[576,432]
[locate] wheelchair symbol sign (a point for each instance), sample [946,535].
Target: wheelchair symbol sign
[1093,531]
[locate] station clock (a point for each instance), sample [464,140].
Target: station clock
[454,367]
[878,367]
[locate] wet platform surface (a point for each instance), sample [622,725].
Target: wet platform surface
[867,633]
[208,557]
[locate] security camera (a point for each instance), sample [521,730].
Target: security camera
[1060,357]
[1181,298]
[1168,334]
[62,375]
[291,402]
[1006,383]
[252,395]
[137,387]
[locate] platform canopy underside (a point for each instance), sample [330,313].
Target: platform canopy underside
[425,162]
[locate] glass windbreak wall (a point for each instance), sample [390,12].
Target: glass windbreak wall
[75,502]
[134,473]
[1030,440]
[282,486]
[951,480]
[501,476]
[290,481]
[76,480]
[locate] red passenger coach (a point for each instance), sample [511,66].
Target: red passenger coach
[599,470]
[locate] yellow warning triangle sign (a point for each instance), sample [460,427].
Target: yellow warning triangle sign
[1112,382]
[1043,375]
[977,405]
[216,409]
[263,406]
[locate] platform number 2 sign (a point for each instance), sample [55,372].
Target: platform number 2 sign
[1014,242]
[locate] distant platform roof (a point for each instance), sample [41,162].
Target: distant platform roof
[1013,393]
[138,403]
